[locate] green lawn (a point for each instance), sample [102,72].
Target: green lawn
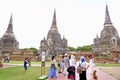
[108,65]
[16,73]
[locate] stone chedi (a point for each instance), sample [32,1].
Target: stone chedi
[109,39]
[8,42]
[53,43]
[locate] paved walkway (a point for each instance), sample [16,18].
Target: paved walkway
[101,76]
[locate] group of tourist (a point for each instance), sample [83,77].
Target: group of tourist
[85,65]
[66,65]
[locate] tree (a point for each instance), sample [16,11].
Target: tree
[34,50]
[72,49]
[85,48]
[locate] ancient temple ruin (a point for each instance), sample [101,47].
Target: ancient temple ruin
[53,43]
[8,42]
[109,39]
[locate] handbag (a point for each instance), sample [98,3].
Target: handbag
[79,69]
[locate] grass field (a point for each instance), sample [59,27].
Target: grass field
[16,73]
[108,65]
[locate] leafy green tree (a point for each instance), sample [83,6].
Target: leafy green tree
[72,49]
[34,50]
[85,48]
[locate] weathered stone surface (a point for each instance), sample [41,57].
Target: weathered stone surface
[53,43]
[8,42]
[109,39]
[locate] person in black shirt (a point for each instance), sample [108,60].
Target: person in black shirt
[25,64]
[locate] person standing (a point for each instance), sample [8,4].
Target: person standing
[84,65]
[71,69]
[92,65]
[66,64]
[60,62]
[52,72]
[25,64]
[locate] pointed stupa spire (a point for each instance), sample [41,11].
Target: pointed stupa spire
[10,27]
[10,22]
[54,23]
[97,36]
[107,17]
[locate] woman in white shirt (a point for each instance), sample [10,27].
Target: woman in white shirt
[84,65]
[91,65]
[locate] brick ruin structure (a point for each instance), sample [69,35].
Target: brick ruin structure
[8,42]
[109,39]
[109,42]
[53,43]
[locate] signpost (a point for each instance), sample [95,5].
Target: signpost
[43,77]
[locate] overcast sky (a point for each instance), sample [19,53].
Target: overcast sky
[78,20]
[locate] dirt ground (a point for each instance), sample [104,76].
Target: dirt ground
[113,71]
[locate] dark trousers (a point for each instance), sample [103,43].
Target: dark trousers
[82,76]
